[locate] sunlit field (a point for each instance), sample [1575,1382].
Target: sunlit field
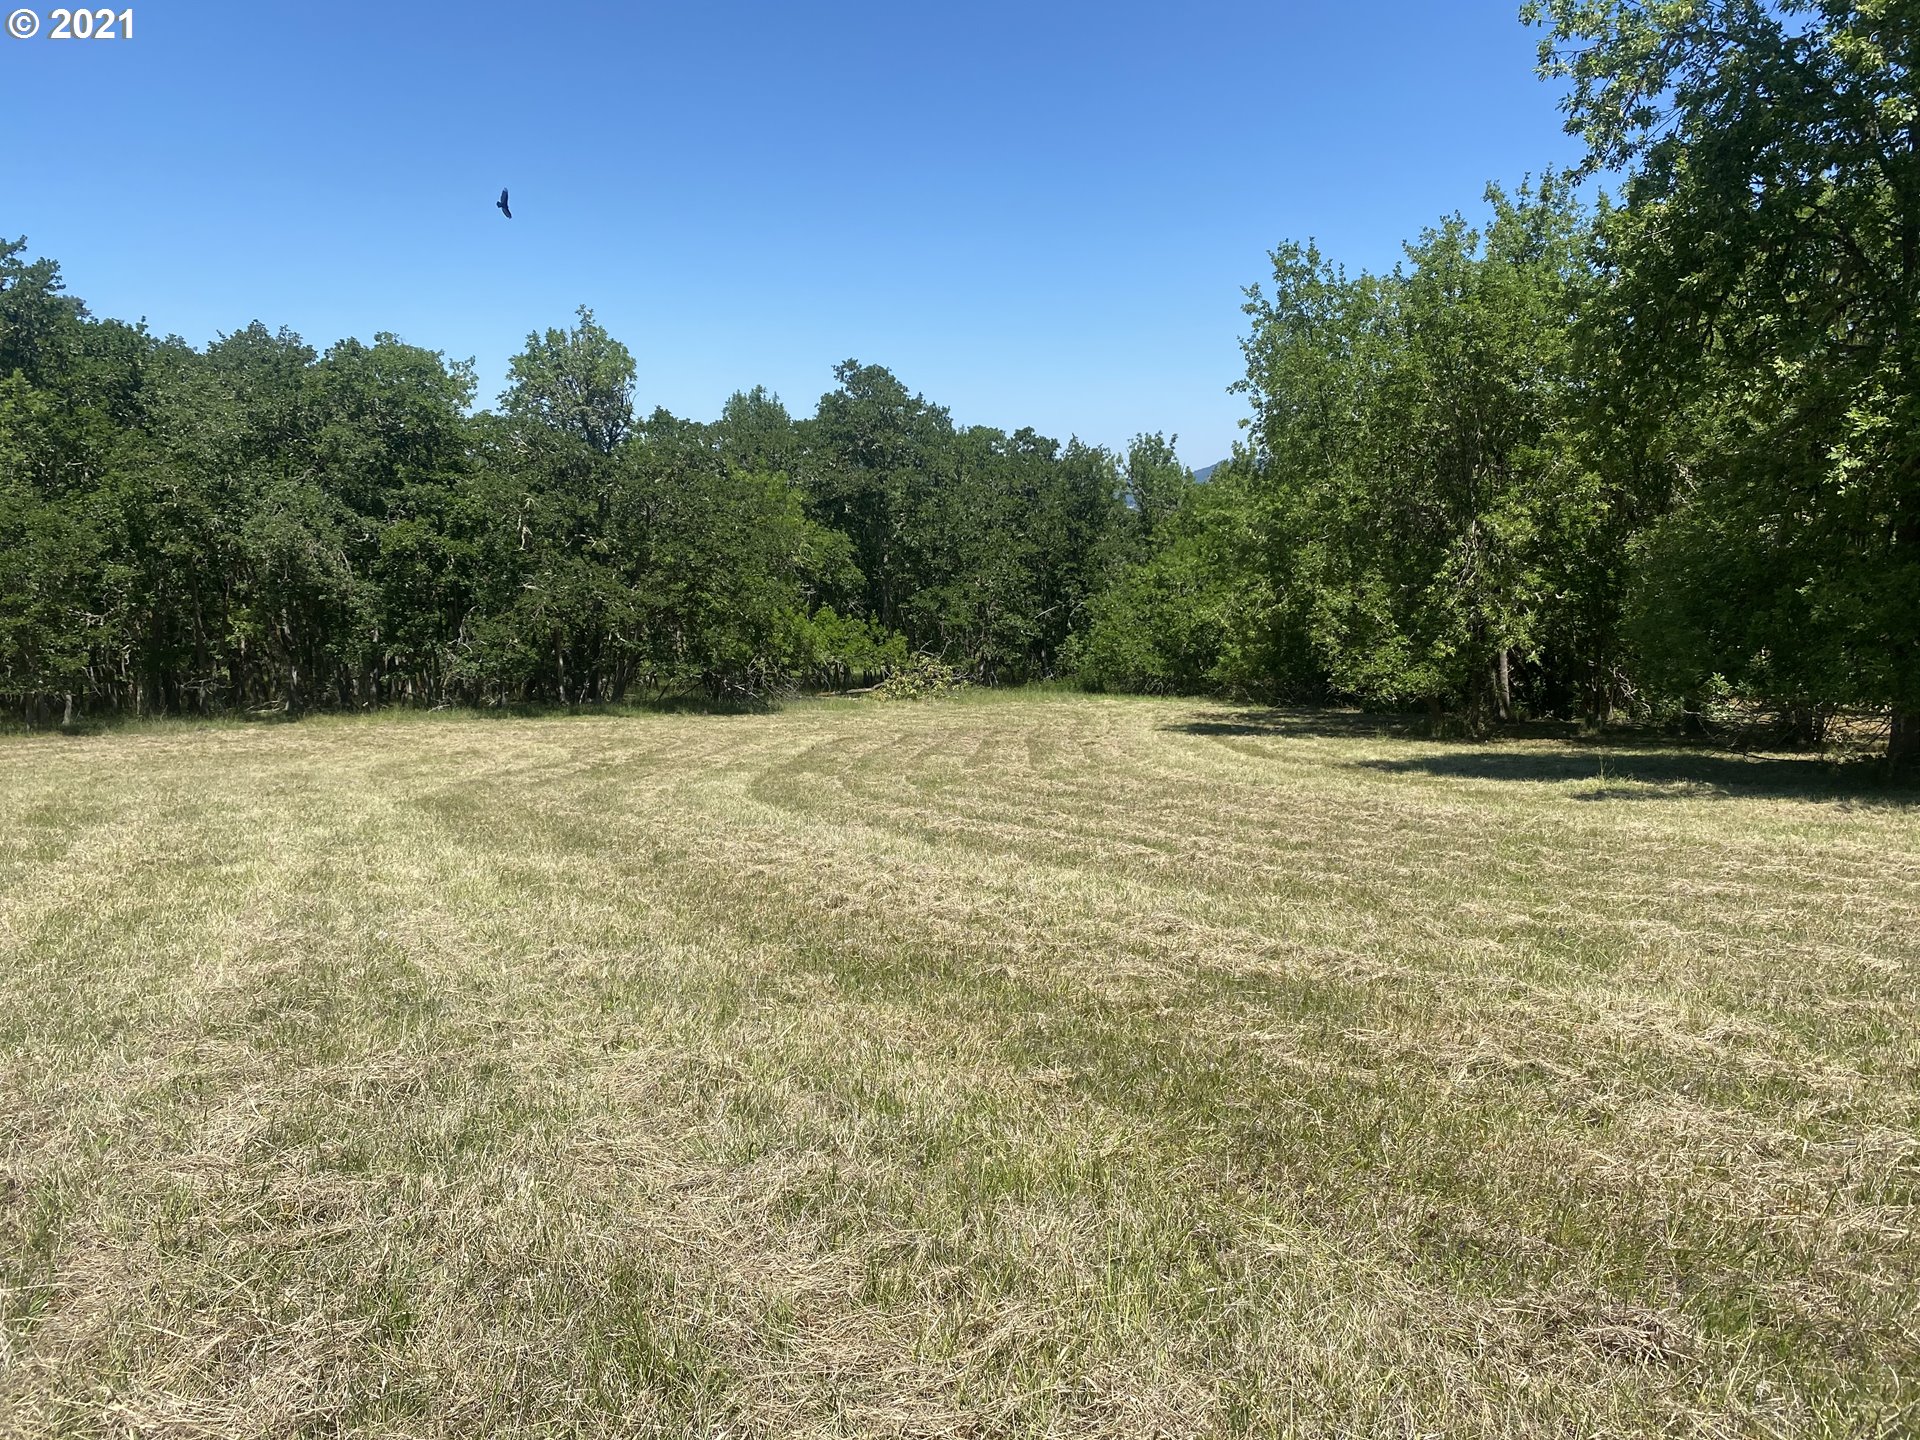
[1015,1065]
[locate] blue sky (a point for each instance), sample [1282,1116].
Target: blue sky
[1036,213]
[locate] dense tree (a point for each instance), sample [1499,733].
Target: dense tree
[755,432]
[1564,467]
[1192,612]
[69,387]
[1154,482]
[978,546]
[575,385]
[1412,487]
[260,524]
[1767,257]
[879,457]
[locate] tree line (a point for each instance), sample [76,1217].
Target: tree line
[1638,456]
[1641,456]
[257,524]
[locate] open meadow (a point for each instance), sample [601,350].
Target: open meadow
[1015,1065]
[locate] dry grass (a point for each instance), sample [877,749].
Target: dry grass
[1029,1066]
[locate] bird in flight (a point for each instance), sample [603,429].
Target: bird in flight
[501,205]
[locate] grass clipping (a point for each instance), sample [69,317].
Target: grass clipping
[1027,1066]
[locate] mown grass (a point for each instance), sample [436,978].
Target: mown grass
[1034,1066]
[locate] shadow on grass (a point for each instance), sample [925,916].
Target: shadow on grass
[1676,773]
[94,726]
[1618,767]
[1299,723]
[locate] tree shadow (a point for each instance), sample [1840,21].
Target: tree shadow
[1621,768]
[1301,722]
[111,723]
[1666,772]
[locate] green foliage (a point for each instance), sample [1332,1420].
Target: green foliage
[1179,620]
[835,649]
[1413,494]
[981,547]
[1569,463]
[1156,483]
[262,525]
[1768,258]
[573,386]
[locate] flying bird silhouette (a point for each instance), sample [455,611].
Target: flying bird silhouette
[501,205]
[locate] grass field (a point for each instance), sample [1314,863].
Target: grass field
[1014,1066]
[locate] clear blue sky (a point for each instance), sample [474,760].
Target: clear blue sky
[1037,213]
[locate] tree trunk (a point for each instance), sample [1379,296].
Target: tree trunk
[1903,738]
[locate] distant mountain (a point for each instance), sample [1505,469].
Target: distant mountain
[1202,475]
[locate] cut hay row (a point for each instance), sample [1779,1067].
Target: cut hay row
[1041,1066]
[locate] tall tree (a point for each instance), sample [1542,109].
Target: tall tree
[261,524]
[1405,448]
[1768,254]
[577,383]
[1155,481]
[881,455]
[756,433]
